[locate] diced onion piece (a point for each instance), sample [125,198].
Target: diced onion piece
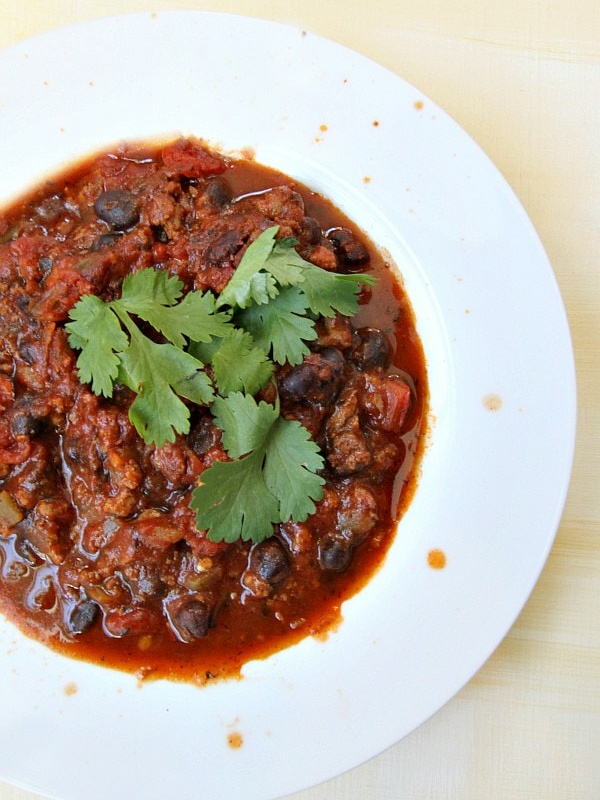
[10,513]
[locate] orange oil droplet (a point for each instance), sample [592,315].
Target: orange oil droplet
[493,402]
[436,559]
[235,740]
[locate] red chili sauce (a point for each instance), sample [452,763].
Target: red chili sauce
[100,557]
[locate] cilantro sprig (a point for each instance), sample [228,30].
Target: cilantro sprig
[272,477]
[173,349]
[114,349]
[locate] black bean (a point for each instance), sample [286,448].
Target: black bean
[333,357]
[191,618]
[217,192]
[352,254]
[118,207]
[311,230]
[23,546]
[370,349]
[203,435]
[24,424]
[160,234]
[316,380]
[299,382]
[29,353]
[82,616]
[223,247]
[269,561]
[334,554]
[106,240]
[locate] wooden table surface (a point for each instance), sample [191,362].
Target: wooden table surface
[523,78]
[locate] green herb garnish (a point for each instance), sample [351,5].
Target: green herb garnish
[272,477]
[114,349]
[265,315]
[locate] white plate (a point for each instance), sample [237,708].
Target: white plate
[493,481]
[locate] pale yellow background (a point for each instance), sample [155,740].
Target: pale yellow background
[523,78]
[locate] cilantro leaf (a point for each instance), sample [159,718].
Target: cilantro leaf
[330,292]
[290,470]
[149,288]
[258,288]
[274,481]
[284,262]
[152,295]
[233,501]
[239,365]
[249,283]
[269,263]
[281,326]
[205,351]
[199,319]
[191,382]
[244,422]
[159,373]
[95,330]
